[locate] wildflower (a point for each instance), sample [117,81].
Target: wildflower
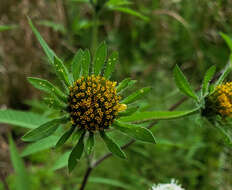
[220,101]
[170,186]
[89,102]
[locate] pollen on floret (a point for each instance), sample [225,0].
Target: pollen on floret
[94,103]
[220,102]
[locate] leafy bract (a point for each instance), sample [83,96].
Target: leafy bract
[76,64]
[65,137]
[208,77]
[183,84]
[112,146]
[136,95]
[90,143]
[85,62]
[99,58]
[110,65]
[135,131]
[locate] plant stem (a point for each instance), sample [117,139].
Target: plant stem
[95,31]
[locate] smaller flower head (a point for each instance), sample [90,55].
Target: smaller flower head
[168,186]
[220,101]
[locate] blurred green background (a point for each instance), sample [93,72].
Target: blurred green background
[151,37]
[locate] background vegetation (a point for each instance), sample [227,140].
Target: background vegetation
[152,36]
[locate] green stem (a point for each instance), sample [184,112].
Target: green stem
[95,31]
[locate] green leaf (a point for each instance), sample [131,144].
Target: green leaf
[135,131]
[76,152]
[227,39]
[76,64]
[225,73]
[62,161]
[50,54]
[47,87]
[85,63]
[43,130]
[208,77]
[131,12]
[22,178]
[40,145]
[112,146]
[7,27]
[62,71]
[55,26]
[55,103]
[128,111]
[136,95]
[65,137]
[183,84]
[90,143]
[124,84]
[158,115]
[22,119]
[99,58]
[112,61]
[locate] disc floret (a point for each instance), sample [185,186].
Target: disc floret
[93,103]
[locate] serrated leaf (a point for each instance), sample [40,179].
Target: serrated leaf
[47,87]
[124,84]
[157,115]
[112,146]
[40,145]
[85,63]
[76,64]
[22,178]
[135,131]
[90,143]
[227,39]
[62,161]
[22,119]
[99,58]
[65,137]
[76,152]
[110,65]
[62,71]
[208,77]
[136,95]
[225,72]
[43,130]
[183,84]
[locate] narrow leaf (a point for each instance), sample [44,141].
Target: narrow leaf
[125,84]
[62,71]
[22,119]
[43,131]
[227,39]
[47,87]
[157,115]
[40,145]
[76,153]
[136,95]
[55,103]
[112,146]
[110,65]
[76,64]
[65,137]
[22,178]
[99,58]
[128,111]
[208,77]
[7,27]
[90,143]
[137,132]
[86,59]
[183,84]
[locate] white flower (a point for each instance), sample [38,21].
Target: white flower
[170,186]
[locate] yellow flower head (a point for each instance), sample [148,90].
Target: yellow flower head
[94,103]
[221,100]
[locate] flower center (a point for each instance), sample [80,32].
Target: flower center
[93,103]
